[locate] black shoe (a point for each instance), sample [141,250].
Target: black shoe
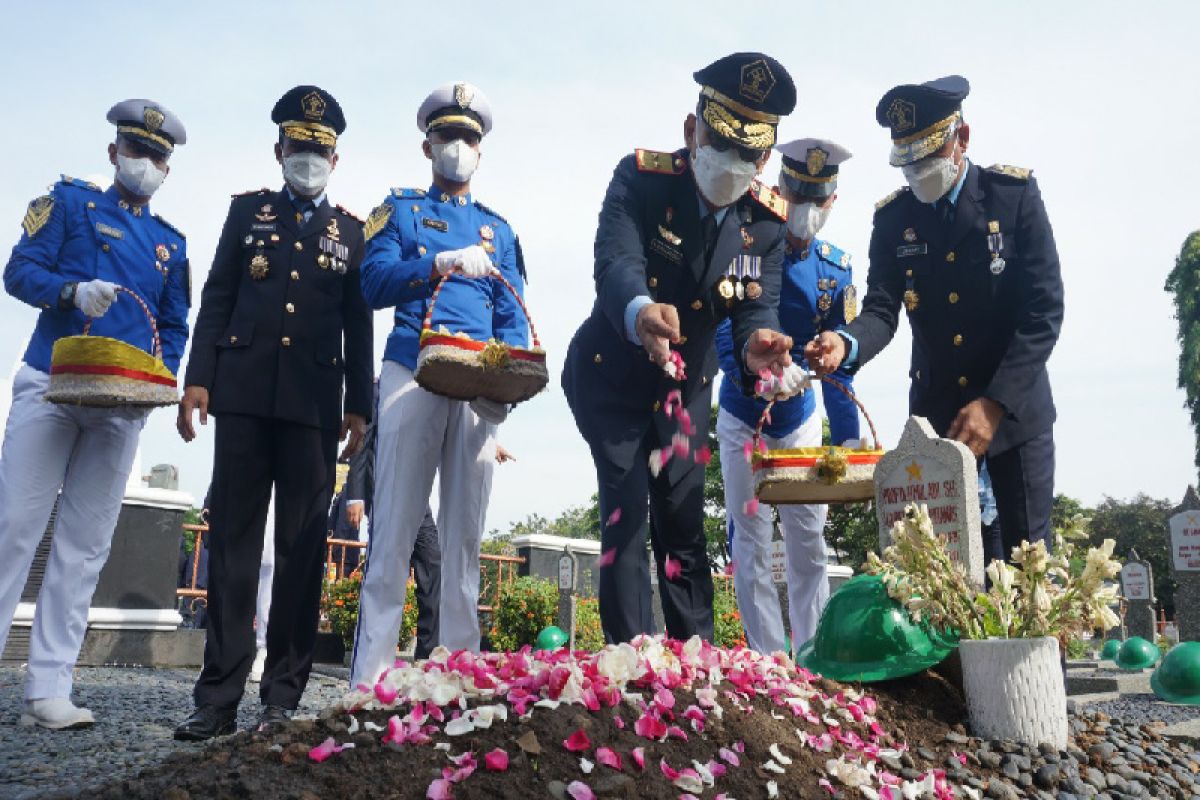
[207,722]
[272,717]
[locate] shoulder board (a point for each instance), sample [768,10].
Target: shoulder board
[399,191]
[660,163]
[79,183]
[263,190]
[1020,173]
[887,200]
[378,218]
[168,225]
[769,198]
[487,210]
[348,213]
[831,254]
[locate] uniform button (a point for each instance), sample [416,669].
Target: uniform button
[462,201]
[697,305]
[416,208]
[91,204]
[286,341]
[652,282]
[597,358]
[259,243]
[957,339]
[950,256]
[291,309]
[962,381]
[657,405]
[908,273]
[953,297]
[233,340]
[421,250]
[704,381]
[334,362]
[295,275]
[105,247]
[299,246]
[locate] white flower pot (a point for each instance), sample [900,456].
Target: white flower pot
[1015,690]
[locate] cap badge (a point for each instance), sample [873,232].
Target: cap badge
[153,119]
[463,95]
[901,115]
[910,235]
[816,160]
[757,80]
[314,106]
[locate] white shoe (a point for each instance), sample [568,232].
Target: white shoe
[57,714]
[256,669]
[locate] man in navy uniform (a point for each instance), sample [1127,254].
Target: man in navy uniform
[685,240]
[79,243]
[282,326]
[969,253]
[817,295]
[417,238]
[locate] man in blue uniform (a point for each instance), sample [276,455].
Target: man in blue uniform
[969,253]
[416,238]
[282,328]
[685,240]
[817,295]
[79,243]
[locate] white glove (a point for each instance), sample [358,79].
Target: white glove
[473,261]
[489,410]
[94,297]
[793,381]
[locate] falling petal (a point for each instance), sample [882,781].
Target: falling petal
[607,558]
[672,568]
[751,507]
[703,455]
[748,450]
[613,518]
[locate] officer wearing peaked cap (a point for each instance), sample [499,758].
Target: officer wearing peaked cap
[685,240]
[78,244]
[282,330]
[969,253]
[817,295]
[419,239]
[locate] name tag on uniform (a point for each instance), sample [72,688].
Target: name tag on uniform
[108,230]
[267,227]
[667,251]
[905,250]
[436,224]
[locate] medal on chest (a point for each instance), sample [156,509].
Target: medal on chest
[333,254]
[995,246]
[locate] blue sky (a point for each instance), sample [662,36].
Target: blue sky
[1094,96]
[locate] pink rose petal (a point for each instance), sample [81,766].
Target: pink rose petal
[639,756]
[580,791]
[703,455]
[667,770]
[608,757]
[613,518]
[439,790]
[672,568]
[751,507]
[578,742]
[748,450]
[496,760]
[323,751]
[386,694]
[607,558]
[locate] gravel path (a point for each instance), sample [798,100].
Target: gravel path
[136,711]
[1142,708]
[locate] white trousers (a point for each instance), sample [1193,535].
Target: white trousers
[87,453]
[266,575]
[803,536]
[420,434]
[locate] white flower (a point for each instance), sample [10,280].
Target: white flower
[618,663]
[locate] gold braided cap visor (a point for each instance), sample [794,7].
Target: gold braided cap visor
[135,130]
[726,124]
[303,131]
[453,120]
[924,142]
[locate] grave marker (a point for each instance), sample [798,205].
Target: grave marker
[1185,565]
[1137,587]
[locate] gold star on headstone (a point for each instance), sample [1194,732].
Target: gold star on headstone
[914,471]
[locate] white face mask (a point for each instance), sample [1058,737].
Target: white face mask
[806,219]
[931,178]
[308,173]
[455,161]
[139,175]
[723,177]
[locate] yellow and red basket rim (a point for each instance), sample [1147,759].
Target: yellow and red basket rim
[102,356]
[430,338]
[812,457]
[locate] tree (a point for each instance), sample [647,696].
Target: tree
[716,529]
[1064,509]
[1141,524]
[1184,282]
[852,531]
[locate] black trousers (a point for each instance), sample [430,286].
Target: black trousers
[1023,482]
[427,572]
[252,455]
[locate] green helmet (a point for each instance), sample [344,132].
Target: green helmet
[1109,652]
[1137,653]
[1177,679]
[865,635]
[551,638]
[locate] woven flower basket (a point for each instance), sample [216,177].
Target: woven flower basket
[461,368]
[815,474]
[101,372]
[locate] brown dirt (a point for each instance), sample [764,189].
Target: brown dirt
[918,710]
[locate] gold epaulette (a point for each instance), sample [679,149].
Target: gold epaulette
[263,190]
[661,163]
[769,199]
[885,201]
[1020,173]
[378,219]
[349,213]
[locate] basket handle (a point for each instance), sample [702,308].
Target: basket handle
[841,387]
[427,323]
[158,353]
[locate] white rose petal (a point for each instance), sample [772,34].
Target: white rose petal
[771,766]
[772,789]
[586,766]
[371,727]
[457,727]
[689,783]
[352,728]
[778,755]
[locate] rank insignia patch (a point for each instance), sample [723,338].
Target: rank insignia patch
[37,215]
[376,220]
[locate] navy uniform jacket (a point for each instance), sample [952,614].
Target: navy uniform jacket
[985,300]
[80,233]
[404,235]
[650,242]
[280,296]
[817,295]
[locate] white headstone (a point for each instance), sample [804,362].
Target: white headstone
[1135,581]
[941,474]
[777,558]
[566,572]
[1185,541]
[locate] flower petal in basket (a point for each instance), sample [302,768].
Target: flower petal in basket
[815,475]
[103,372]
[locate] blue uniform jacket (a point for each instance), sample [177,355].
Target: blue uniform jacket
[404,234]
[80,233]
[816,295]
